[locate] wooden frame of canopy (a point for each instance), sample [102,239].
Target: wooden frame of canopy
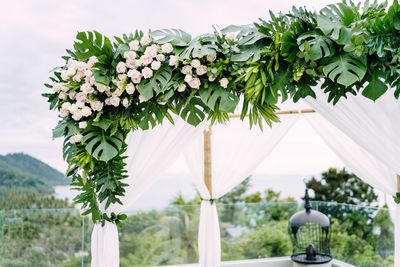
[207,148]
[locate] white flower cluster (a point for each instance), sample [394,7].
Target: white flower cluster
[194,69]
[138,65]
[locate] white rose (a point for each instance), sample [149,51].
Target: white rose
[122,77]
[195,83]
[231,36]
[182,87]
[71,72]
[151,51]
[56,87]
[62,96]
[133,73]
[188,78]
[101,87]
[86,111]
[142,99]
[211,78]
[224,82]
[92,60]
[73,108]
[119,84]
[211,57]
[72,95]
[80,104]
[201,70]
[64,113]
[155,65]
[131,63]
[92,81]
[81,66]
[146,59]
[173,60]
[147,72]
[115,101]
[64,75]
[88,73]
[77,115]
[81,97]
[96,105]
[195,63]
[125,102]
[130,88]
[82,124]
[87,88]
[167,48]
[160,57]
[66,106]
[121,68]
[134,45]
[187,69]
[107,101]
[145,40]
[77,78]
[77,138]
[130,54]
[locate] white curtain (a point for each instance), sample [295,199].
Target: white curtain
[236,150]
[149,154]
[375,127]
[356,158]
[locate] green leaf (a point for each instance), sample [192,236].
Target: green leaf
[192,111]
[103,123]
[101,145]
[173,36]
[334,20]
[158,83]
[92,44]
[215,94]
[375,88]
[65,128]
[150,115]
[320,46]
[198,47]
[346,70]
[52,99]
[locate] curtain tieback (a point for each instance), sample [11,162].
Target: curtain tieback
[212,200]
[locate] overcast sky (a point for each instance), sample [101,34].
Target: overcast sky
[35,34]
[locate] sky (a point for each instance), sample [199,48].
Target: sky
[35,34]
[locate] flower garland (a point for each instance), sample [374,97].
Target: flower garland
[105,90]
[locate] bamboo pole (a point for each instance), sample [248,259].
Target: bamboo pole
[283,112]
[207,160]
[398,183]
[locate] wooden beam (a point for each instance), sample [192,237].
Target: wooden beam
[283,112]
[207,160]
[398,183]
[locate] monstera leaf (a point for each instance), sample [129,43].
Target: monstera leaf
[315,46]
[335,20]
[215,94]
[64,128]
[192,111]
[101,144]
[92,44]
[376,87]
[346,70]
[151,115]
[173,36]
[158,83]
[202,45]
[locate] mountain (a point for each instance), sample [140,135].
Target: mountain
[28,166]
[11,179]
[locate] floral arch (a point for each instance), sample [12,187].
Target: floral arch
[108,88]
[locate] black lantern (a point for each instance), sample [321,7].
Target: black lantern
[310,235]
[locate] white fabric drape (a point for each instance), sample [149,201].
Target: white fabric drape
[236,150]
[149,154]
[374,126]
[356,158]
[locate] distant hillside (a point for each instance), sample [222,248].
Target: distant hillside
[10,179]
[20,163]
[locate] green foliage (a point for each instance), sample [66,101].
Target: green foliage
[14,179]
[345,47]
